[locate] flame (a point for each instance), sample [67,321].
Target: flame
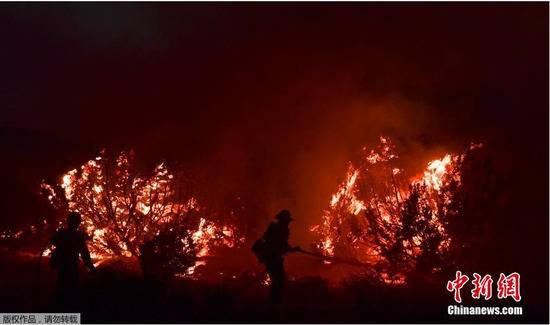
[435,172]
[121,210]
[266,281]
[344,230]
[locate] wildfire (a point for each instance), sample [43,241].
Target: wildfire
[123,210]
[435,172]
[373,218]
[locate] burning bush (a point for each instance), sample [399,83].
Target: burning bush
[128,213]
[397,225]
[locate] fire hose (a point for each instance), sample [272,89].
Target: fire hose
[334,259]
[321,256]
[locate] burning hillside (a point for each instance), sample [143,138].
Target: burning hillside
[395,223]
[126,213]
[380,215]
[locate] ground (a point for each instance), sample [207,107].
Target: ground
[118,293]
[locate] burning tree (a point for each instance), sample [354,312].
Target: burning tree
[399,230]
[128,213]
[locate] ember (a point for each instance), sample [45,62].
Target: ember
[373,218]
[123,210]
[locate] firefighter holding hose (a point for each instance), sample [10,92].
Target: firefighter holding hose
[270,251]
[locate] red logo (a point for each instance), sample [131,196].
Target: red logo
[456,285]
[482,286]
[507,286]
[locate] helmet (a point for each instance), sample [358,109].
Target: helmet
[284,215]
[74,219]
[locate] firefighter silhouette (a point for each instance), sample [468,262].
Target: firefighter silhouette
[270,251]
[70,246]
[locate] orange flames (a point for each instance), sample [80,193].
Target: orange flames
[374,219]
[122,209]
[379,215]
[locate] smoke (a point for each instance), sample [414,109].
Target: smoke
[265,105]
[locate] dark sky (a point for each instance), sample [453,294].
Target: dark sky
[269,101]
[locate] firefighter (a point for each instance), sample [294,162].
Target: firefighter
[70,246]
[270,251]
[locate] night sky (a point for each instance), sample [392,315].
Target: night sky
[269,101]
